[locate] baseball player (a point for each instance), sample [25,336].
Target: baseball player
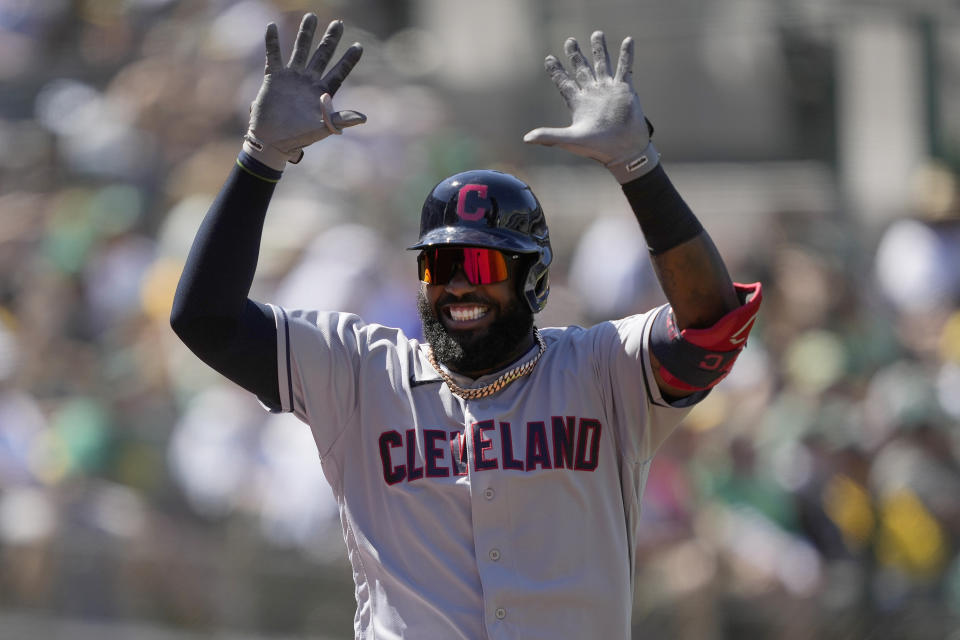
[489,478]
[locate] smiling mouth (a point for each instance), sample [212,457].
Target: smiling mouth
[466,312]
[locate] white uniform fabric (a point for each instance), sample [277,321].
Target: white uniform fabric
[512,516]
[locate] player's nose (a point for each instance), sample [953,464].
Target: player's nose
[459,285]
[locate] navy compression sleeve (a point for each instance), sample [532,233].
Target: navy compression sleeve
[212,313]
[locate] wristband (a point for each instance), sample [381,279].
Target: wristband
[664,217]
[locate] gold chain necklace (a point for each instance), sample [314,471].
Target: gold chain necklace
[506,378]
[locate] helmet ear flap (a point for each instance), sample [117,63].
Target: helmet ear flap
[535,286]
[542,290]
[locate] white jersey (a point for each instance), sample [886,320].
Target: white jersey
[512,516]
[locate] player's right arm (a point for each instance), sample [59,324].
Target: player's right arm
[212,312]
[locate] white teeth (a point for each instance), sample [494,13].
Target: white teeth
[462,314]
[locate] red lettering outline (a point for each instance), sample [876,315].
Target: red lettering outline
[392,474]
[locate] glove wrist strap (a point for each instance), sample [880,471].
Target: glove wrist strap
[634,166]
[268,154]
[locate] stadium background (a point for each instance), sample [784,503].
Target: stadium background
[815,494]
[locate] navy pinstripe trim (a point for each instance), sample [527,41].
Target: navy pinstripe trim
[645,361]
[416,383]
[286,344]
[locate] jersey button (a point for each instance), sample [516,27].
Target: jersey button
[494,554]
[501,613]
[488,493]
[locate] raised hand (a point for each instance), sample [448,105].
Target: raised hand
[294,107]
[608,122]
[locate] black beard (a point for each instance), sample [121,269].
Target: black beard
[473,351]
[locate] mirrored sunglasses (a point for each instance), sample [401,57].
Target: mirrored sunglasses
[480,266]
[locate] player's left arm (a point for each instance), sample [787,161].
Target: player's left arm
[694,341]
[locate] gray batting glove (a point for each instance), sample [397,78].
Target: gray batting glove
[294,107]
[608,123]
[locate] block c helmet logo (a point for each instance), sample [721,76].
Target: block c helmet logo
[478,212]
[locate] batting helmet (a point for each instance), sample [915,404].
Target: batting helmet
[494,210]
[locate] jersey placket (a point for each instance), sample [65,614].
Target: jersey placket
[491,521]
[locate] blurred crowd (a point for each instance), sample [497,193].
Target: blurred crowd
[814,494]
